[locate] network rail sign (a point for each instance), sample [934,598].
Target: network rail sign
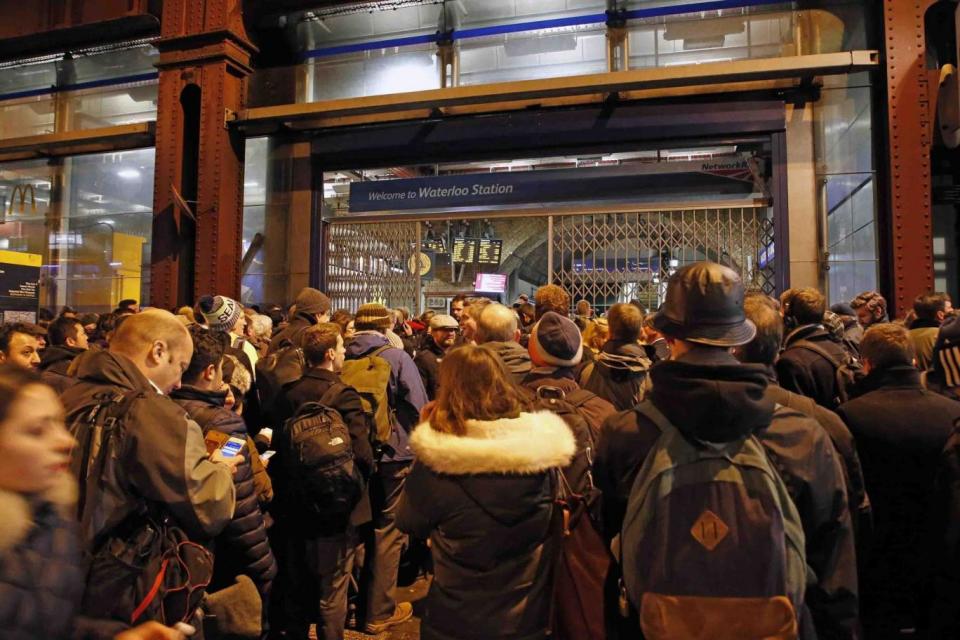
[616,182]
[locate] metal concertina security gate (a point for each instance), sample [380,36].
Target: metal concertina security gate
[600,257]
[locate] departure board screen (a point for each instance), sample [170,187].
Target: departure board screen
[465,250]
[488,251]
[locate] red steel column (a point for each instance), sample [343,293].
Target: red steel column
[203,43]
[909,99]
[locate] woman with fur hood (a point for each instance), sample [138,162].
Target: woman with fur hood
[41,576]
[482,490]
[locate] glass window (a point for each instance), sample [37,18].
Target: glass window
[90,218]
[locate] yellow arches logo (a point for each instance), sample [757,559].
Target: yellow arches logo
[22,190]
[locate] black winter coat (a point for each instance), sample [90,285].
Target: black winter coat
[298,324]
[54,365]
[428,364]
[595,410]
[242,547]
[315,383]
[485,500]
[901,430]
[802,371]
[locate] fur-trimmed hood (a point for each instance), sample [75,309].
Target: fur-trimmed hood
[529,444]
[17,510]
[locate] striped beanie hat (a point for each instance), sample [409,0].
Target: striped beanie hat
[220,312]
[373,316]
[946,353]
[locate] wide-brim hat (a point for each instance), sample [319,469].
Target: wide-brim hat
[704,304]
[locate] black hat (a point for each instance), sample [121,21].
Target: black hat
[555,341]
[705,304]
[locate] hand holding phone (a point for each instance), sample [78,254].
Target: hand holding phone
[229,453]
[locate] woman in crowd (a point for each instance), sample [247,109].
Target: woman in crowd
[482,491]
[41,573]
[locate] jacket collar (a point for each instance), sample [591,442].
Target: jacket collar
[429,344]
[58,353]
[529,444]
[319,373]
[806,332]
[188,392]
[899,377]
[106,367]
[923,323]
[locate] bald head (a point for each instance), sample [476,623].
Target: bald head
[158,344]
[497,323]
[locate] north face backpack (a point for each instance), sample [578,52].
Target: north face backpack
[146,568]
[318,456]
[712,545]
[370,376]
[568,407]
[276,371]
[848,372]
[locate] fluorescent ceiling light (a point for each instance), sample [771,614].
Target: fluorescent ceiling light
[128,174]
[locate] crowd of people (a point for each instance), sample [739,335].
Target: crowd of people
[730,465]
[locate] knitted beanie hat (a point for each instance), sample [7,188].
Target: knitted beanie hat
[220,312]
[312,301]
[373,316]
[555,341]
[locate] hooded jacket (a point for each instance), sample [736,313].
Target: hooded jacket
[54,365]
[802,371]
[242,547]
[514,357]
[595,410]
[485,500]
[163,458]
[923,335]
[404,389]
[901,430]
[297,325]
[619,373]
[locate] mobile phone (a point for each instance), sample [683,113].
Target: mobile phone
[266,455]
[232,447]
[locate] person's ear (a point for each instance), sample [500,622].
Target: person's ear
[516,335]
[210,372]
[71,342]
[157,350]
[331,355]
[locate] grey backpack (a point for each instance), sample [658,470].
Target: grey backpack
[712,545]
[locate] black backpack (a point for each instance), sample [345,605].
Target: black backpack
[567,406]
[318,457]
[849,372]
[146,568]
[276,371]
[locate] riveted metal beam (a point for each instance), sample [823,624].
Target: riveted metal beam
[909,96]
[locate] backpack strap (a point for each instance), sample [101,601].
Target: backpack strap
[579,397]
[378,351]
[649,411]
[820,351]
[331,393]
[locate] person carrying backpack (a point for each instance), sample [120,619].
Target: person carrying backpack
[813,364]
[393,392]
[621,368]
[325,453]
[711,545]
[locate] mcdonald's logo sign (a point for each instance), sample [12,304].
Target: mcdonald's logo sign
[22,190]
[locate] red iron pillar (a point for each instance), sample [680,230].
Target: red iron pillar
[911,96]
[198,190]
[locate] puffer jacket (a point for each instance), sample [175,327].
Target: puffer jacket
[618,374]
[55,364]
[41,571]
[485,500]
[242,547]
[162,457]
[514,357]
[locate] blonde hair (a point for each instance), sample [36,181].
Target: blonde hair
[463,371]
[596,334]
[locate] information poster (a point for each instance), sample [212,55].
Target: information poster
[19,285]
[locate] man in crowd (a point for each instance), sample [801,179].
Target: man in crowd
[311,307]
[322,547]
[584,315]
[764,350]
[621,368]
[163,456]
[810,357]
[128,305]
[242,547]
[406,395]
[498,330]
[19,345]
[457,305]
[551,297]
[226,315]
[442,337]
[67,340]
[901,430]
[931,309]
[468,319]
[655,344]
[944,375]
[871,309]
